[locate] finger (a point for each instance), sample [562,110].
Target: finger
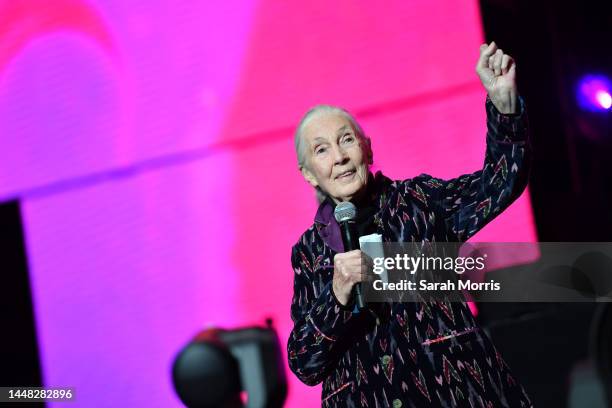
[344,256]
[505,63]
[354,265]
[350,270]
[512,69]
[489,49]
[355,275]
[497,60]
[343,264]
[491,62]
[485,52]
[353,256]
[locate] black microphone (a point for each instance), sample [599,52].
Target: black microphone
[345,213]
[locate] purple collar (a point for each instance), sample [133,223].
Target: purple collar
[326,222]
[329,228]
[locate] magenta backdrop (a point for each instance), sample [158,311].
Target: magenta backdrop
[151,146]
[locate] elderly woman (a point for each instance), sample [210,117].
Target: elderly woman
[412,354]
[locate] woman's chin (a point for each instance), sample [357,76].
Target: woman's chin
[350,194]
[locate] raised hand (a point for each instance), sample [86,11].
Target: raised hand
[497,72]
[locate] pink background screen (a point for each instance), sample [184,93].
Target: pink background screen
[151,146]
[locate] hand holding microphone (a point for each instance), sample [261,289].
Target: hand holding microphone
[348,266]
[348,270]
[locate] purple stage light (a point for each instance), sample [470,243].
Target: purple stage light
[604,99]
[594,93]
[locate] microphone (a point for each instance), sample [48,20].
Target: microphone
[345,213]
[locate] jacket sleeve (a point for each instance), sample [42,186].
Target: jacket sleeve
[468,202]
[319,321]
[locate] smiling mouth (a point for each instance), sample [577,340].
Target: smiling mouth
[345,174]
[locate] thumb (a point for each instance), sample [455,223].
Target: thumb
[512,70]
[485,52]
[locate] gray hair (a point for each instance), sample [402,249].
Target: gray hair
[299,139]
[314,111]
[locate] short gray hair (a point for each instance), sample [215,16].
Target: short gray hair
[314,111]
[299,140]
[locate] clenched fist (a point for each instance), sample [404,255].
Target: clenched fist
[497,72]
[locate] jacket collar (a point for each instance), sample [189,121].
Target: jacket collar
[326,222]
[328,226]
[325,213]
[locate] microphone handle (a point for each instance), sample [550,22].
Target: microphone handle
[351,242]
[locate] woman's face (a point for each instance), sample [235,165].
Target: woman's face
[336,158]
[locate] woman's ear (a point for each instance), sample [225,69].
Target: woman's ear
[309,177]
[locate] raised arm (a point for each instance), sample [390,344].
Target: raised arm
[468,202]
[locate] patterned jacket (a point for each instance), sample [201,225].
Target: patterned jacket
[413,354]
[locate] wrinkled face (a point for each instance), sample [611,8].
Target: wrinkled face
[336,158]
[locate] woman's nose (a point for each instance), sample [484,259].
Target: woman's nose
[340,155]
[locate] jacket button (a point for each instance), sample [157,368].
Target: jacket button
[397,403]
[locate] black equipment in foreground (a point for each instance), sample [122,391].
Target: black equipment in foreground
[601,346]
[218,365]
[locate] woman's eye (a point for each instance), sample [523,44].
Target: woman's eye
[320,150]
[348,139]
